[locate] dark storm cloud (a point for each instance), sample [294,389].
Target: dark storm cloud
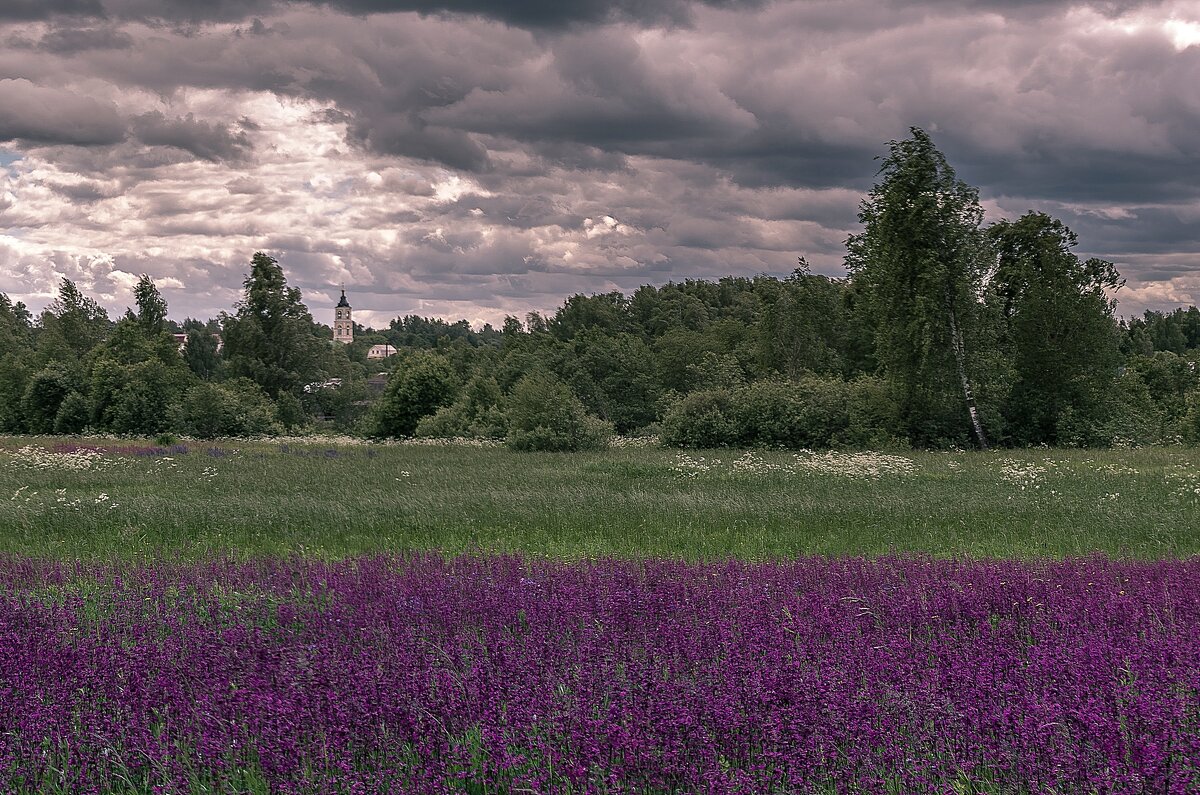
[69,40]
[407,134]
[603,94]
[520,13]
[475,147]
[21,10]
[520,211]
[213,142]
[46,115]
[187,11]
[547,13]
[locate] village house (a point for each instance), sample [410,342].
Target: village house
[181,341]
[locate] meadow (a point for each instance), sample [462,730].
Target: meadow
[98,499]
[328,616]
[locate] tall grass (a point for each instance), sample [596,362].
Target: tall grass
[257,498]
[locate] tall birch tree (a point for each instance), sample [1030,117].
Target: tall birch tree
[920,261]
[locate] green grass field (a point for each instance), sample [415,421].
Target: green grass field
[333,500]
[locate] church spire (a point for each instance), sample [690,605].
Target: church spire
[343,325]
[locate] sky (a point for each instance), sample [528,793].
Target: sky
[480,158]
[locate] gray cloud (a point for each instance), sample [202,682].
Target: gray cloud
[546,13]
[520,13]
[213,142]
[68,40]
[468,153]
[47,115]
[49,9]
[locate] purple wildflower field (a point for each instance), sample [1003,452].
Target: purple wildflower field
[493,674]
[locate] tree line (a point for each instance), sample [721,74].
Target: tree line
[946,332]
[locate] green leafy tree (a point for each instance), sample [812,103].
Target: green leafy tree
[76,322]
[16,346]
[677,353]
[129,343]
[614,376]
[137,377]
[920,261]
[201,354]
[608,313]
[1059,330]
[139,398]
[715,371]
[340,403]
[14,378]
[659,310]
[421,384]
[271,339]
[151,308]
[1169,378]
[16,332]
[44,395]
[803,329]
[544,415]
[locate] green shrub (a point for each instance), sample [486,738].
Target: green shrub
[236,408]
[1189,425]
[873,416]
[476,414]
[450,422]
[543,414]
[701,419]
[420,385]
[289,410]
[1126,416]
[44,395]
[73,414]
[807,413]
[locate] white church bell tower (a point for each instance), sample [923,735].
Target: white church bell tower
[343,326]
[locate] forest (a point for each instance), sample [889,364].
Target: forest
[946,332]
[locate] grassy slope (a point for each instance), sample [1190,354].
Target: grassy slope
[630,502]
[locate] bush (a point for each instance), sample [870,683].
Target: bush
[453,422]
[873,416]
[476,414]
[73,414]
[238,408]
[810,412]
[44,395]
[701,419]
[543,414]
[288,409]
[1125,417]
[420,385]
[145,401]
[1189,425]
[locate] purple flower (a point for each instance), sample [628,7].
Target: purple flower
[417,674]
